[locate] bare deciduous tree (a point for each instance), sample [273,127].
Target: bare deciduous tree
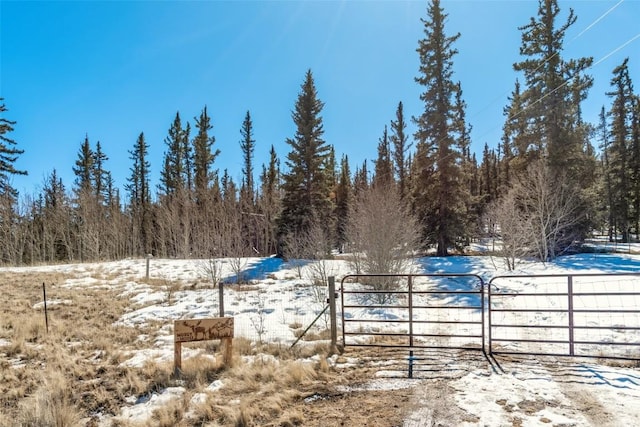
[504,216]
[383,235]
[539,215]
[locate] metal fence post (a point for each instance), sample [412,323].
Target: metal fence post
[333,315]
[46,313]
[221,298]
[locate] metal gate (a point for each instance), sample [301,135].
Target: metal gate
[413,311]
[589,315]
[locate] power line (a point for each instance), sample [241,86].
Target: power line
[567,80]
[600,18]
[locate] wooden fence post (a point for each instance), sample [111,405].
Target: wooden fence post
[177,359]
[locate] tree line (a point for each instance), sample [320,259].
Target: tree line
[552,179]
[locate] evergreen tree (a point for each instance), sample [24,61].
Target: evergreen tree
[172,176]
[619,154]
[203,156]
[518,146]
[608,188]
[187,156]
[85,168]
[554,88]
[247,145]
[306,202]
[57,244]
[9,220]
[269,202]
[139,191]
[100,174]
[343,203]
[462,132]
[400,147]
[635,162]
[547,102]
[439,191]
[8,155]
[361,180]
[383,175]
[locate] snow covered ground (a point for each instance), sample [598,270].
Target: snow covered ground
[281,300]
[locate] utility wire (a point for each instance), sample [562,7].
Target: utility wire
[543,97]
[600,18]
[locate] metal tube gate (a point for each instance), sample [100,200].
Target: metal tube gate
[587,315]
[414,311]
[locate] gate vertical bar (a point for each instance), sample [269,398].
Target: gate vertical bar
[344,342]
[489,314]
[570,312]
[410,285]
[482,287]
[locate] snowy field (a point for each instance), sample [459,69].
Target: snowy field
[280,300]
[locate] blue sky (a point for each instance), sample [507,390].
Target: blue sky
[113,69]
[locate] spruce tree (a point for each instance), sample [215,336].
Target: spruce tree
[187,156]
[635,162]
[518,146]
[306,200]
[247,145]
[84,168]
[383,174]
[139,191]
[269,202]
[344,200]
[10,249]
[439,190]
[620,151]
[400,148]
[100,174]
[361,180]
[547,102]
[172,176]
[553,89]
[8,155]
[203,156]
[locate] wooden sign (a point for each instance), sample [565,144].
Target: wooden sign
[201,330]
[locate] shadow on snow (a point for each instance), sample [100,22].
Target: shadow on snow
[259,270]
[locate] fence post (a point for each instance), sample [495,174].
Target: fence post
[46,313]
[221,298]
[333,315]
[570,310]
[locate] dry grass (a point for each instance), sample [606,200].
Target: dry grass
[73,370]
[66,376]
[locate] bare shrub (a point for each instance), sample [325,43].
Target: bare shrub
[259,320]
[212,269]
[511,229]
[383,235]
